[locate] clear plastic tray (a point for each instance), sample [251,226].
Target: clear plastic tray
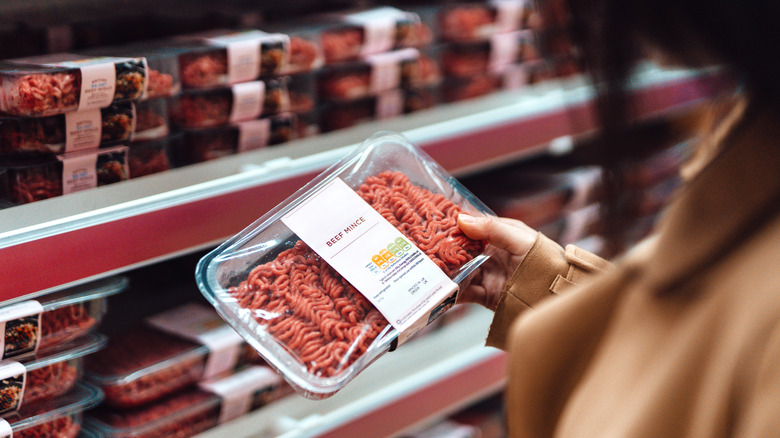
[339,114]
[51,374]
[206,144]
[48,85]
[33,179]
[153,156]
[162,63]
[60,417]
[182,414]
[71,313]
[61,133]
[324,359]
[143,364]
[369,76]
[151,120]
[219,106]
[478,21]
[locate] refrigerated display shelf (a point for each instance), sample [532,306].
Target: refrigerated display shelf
[92,234]
[405,390]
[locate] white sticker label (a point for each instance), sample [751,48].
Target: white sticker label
[247,101]
[78,172]
[98,83]
[379,26]
[253,134]
[201,324]
[504,48]
[243,61]
[243,391]
[20,326]
[12,382]
[386,68]
[509,14]
[83,130]
[5,429]
[389,104]
[396,276]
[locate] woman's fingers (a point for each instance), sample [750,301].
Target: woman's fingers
[511,235]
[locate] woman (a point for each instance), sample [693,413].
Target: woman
[681,336]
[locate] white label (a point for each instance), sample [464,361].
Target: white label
[83,130]
[12,382]
[201,324]
[78,172]
[247,101]
[379,27]
[97,85]
[504,48]
[20,327]
[253,134]
[508,14]
[393,274]
[515,76]
[243,59]
[5,429]
[389,104]
[386,68]
[240,390]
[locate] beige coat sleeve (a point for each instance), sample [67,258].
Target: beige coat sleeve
[546,270]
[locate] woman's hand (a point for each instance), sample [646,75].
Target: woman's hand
[512,240]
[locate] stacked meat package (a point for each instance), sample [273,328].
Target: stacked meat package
[177,373]
[43,345]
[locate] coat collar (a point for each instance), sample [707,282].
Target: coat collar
[724,202]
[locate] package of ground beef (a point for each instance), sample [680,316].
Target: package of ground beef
[37,324]
[192,410]
[29,179]
[49,375]
[237,103]
[61,83]
[169,351]
[60,417]
[350,266]
[204,144]
[69,132]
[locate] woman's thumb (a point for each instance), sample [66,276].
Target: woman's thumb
[511,235]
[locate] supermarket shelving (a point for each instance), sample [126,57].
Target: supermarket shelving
[403,391]
[110,229]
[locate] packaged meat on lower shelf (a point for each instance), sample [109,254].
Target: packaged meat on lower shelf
[193,410]
[478,21]
[219,106]
[206,144]
[61,83]
[250,53]
[170,351]
[152,156]
[33,179]
[493,55]
[369,76]
[49,375]
[349,267]
[57,418]
[151,120]
[162,65]
[345,113]
[69,132]
[55,318]
[351,35]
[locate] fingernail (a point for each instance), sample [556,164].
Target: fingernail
[466,219]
